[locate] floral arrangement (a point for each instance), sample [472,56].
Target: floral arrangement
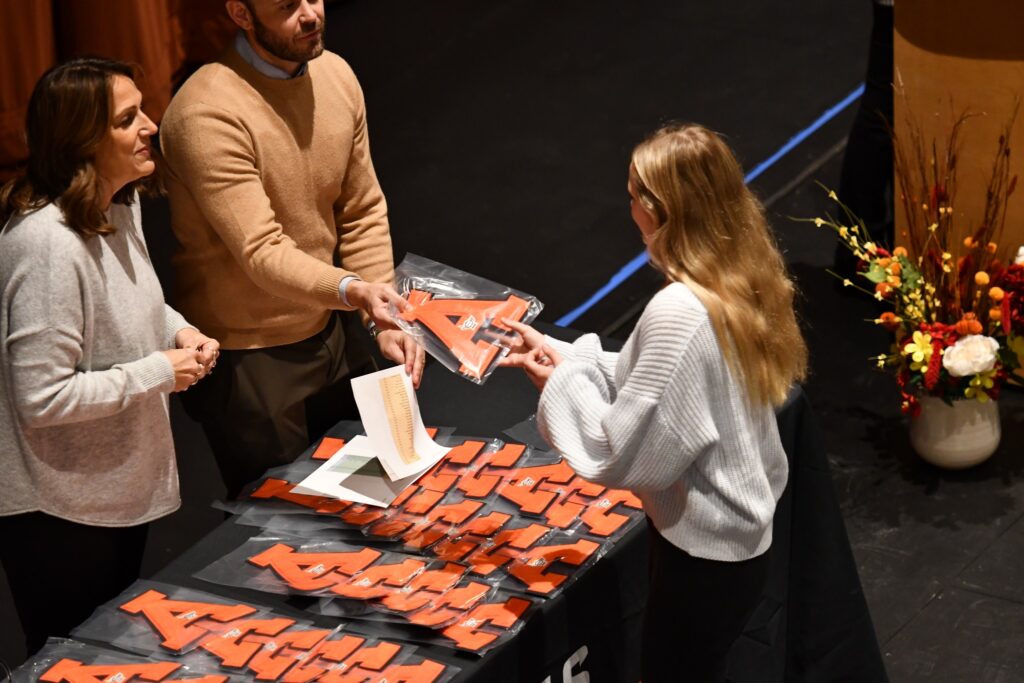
[957,300]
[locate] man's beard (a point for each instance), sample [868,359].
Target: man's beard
[283,49]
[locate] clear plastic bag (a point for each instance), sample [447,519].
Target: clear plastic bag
[152,617]
[457,317]
[490,623]
[62,660]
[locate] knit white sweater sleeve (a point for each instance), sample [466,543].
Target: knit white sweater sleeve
[647,434]
[587,348]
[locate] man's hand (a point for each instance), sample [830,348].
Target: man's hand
[373,299]
[399,347]
[208,348]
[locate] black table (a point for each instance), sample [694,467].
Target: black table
[812,623]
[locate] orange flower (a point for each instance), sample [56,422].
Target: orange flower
[995,314]
[884,262]
[883,288]
[899,251]
[981,278]
[969,242]
[996,294]
[991,247]
[968,325]
[895,268]
[889,321]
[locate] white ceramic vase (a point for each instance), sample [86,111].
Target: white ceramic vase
[958,436]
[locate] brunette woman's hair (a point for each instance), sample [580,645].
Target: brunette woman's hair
[69,114]
[712,235]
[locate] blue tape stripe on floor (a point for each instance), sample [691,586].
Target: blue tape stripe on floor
[638,261]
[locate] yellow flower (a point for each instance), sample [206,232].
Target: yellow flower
[919,350]
[946,256]
[933,227]
[1016,345]
[843,231]
[979,383]
[832,196]
[870,247]
[846,282]
[818,222]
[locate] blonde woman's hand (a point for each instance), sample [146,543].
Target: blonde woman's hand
[526,340]
[538,364]
[187,370]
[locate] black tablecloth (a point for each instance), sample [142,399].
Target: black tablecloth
[812,623]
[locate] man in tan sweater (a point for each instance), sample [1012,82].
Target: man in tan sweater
[281,223]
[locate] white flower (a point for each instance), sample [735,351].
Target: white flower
[970,355]
[1020,256]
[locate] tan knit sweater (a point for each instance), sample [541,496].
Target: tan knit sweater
[273,199]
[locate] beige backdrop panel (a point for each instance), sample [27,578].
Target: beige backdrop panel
[951,55]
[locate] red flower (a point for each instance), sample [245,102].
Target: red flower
[931,376]
[1011,281]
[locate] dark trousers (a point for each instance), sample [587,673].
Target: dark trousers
[260,408]
[696,609]
[60,571]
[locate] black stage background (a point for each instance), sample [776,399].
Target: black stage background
[501,134]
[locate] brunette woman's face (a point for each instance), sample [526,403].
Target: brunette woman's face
[125,154]
[644,218]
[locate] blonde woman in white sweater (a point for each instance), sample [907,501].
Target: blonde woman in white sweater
[683,415]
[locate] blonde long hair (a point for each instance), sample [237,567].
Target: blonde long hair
[713,237]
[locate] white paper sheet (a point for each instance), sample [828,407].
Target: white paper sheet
[391,417]
[354,474]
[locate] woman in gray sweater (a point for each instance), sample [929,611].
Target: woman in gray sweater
[683,415]
[89,352]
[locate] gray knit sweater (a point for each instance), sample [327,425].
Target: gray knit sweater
[666,419]
[84,430]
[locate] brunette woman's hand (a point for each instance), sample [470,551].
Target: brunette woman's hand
[187,369]
[208,347]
